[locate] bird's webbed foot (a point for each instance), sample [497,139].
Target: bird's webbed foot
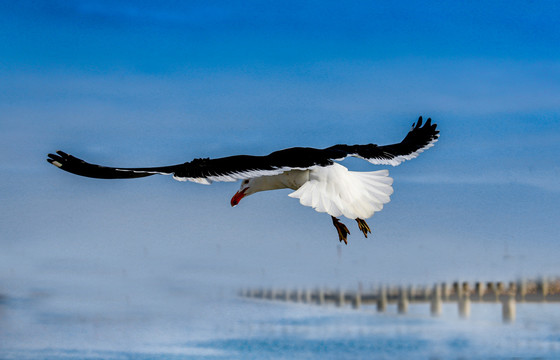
[341,229]
[363,226]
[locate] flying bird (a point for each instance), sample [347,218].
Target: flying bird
[315,175]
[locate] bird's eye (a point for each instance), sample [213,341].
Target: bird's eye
[245,182]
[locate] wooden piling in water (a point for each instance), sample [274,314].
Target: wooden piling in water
[321,297]
[457,290]
[411,292]
[464,304]
[508,309]
[492,293]
[382,299]
[402,305]
[298,295]
[444,292]
[427,292]
[521,290]
[307,296]
[542,288]
[272,294]
[500,287]
[357,300]
[479,290]
[435,301]
[340,301]
[465,288]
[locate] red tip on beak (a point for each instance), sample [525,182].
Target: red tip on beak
[237,197]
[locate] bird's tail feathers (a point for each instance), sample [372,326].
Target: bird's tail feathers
[337,191]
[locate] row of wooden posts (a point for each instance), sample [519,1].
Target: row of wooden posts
[462,293]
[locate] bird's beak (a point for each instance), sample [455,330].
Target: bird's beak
[237,197]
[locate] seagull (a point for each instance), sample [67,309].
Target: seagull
[315,175]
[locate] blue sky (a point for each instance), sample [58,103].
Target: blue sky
[153,83]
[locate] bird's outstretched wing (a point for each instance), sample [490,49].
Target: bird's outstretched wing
[238,167]
[416,141]
[204,171]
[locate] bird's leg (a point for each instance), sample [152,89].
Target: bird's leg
[363,226]
[341,229]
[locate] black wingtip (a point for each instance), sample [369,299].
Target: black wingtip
[55,160]
[429,129]
[417,124]
[428,124]
[60,159]
[57,156]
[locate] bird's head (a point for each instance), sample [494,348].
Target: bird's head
[243,191]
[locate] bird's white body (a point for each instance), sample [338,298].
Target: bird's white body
[331,189]
[292,179]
